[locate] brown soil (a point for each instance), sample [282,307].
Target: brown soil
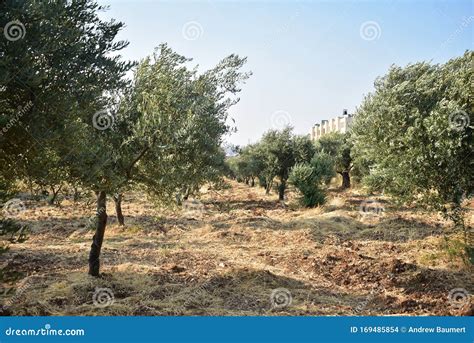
[228,253]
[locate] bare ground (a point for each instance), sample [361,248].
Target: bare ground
[236,252]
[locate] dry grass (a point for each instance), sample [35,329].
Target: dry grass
[228,258]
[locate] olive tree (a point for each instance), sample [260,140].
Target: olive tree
[248,164]
[280,151]
[338,146]
[53,71]
[416,131]
[309,178]
[163,135]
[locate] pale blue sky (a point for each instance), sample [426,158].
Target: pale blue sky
[309,59]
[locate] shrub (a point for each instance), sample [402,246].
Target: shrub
[309,177]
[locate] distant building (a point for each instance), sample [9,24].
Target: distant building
[340,124]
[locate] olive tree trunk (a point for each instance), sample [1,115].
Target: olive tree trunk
[268,187]
[346,180]
[281,190]
[94,255]
[55,193]
[118,208]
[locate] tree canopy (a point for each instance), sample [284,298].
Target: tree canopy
[415,134]
[69,114]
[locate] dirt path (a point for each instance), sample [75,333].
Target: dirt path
[236,252]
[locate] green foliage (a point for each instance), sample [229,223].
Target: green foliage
[176,119]
[415,132]
[68,113]
[52,79]
[303,149]
[7,189]
[323,166]
[46,171]
[249,164]
[470,253]
[375,180]
[309,178]
[338,146]
[278,152]
[281,150]
[405,130]
[271,157]
[302,178]
[456,248]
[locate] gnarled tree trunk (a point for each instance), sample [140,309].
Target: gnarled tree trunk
[94,255]
[281,190]
[268,187]
[346,179]
[55,193]
[118,209]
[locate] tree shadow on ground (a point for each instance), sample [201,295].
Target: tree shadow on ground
[138,289]
[228,205]
[347,228]
[425,291]
[237,292]
[388,229]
